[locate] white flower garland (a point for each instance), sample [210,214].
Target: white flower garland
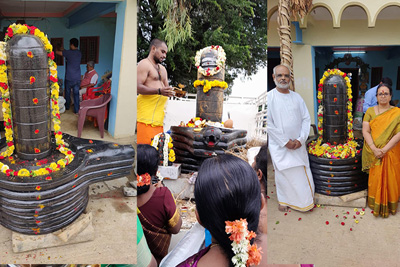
[221,58]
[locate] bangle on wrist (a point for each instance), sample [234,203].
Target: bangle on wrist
[159,91]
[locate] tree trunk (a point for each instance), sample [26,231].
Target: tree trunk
[284,13]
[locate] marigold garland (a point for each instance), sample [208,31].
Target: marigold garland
[221,57]
[245,254]
[327,150]
[207,85]
[12,30]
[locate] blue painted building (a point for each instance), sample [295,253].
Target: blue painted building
[106,20]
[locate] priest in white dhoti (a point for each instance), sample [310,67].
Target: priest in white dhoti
[288,126]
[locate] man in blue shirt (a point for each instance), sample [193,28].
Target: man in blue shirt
[72,73]
[370,96]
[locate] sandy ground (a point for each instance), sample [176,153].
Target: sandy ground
[318,237]
[114,219]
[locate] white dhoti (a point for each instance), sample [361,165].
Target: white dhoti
[295,188]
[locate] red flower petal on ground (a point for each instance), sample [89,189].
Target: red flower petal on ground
[342,223]
[358,213]
[351,229]
[73,186]
[76,175]
[285,213]
[348,212]
[354,216]
[363,209]
[326,222]
[372,211]
[337,216]
[299,219]
[48,178]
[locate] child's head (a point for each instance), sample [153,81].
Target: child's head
[147,162]
[227,189]
[260,164]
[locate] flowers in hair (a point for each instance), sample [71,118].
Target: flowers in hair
[143,179]
[245,254]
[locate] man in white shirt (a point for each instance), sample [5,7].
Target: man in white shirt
[288,126]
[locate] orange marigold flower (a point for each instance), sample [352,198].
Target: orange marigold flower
[29,54]
[36,131]
[38,187]
[336,112]
[35,100]
[143,179]
[37,150]
[254,255]
[237,229]
[32,79]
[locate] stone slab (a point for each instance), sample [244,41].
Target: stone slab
[80,231]
[336,201]
[130,192]
[180,187]
[353,196]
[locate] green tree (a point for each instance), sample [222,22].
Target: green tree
[239,26]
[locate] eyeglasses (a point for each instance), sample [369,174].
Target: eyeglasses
[383,94]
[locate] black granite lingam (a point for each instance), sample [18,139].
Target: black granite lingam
[336,177]
[193,145]
[46,203]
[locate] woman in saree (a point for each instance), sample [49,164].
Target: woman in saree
[156,206]
[380,156]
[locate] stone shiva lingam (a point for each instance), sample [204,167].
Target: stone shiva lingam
[44,175]
[335,157]
[205,136]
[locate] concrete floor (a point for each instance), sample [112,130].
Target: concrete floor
[306,238]
[114,219]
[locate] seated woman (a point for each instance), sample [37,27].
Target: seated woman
[228,204]
[380,155]
[156,206]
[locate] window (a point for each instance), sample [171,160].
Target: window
[89,47]
[57,44]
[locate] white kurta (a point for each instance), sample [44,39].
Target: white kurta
[288,118]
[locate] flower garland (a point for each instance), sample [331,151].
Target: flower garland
[221,57]
[143,179]
[327,150]
[168,152]
[207,85]
[12,30]
[245,254]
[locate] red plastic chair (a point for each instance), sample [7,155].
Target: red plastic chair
[95,92]
[95,108]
